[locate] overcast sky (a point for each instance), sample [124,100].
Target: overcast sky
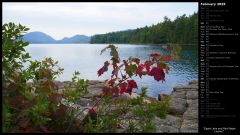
[67,19]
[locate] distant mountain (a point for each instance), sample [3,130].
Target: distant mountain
[42,38]
[75,39]
[38,38]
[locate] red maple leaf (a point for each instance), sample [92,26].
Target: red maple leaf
[155,55]
[148,64]
[137,60]
[111,82]
[140,70]
[157,73]
[103,69]
[91,110]
[127,87]
[131,84]
[123,88]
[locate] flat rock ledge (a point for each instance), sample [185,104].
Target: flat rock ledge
[183,115]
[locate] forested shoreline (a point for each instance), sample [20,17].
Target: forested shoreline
[182,30]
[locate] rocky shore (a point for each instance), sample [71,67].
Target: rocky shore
[183,115]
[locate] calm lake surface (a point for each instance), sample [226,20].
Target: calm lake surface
[86,58]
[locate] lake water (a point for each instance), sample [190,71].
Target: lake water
[86,58]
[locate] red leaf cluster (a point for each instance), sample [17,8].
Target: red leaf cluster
[132,84]
[127,87]
[123,88]
[148,64]
[140,70]
[103,69]
[91,110]
[136,60]
[155,55]
[118,86]
[157,73]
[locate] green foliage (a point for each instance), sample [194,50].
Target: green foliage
[31,102]
[6,115]
[139,100]
[143,91]
[147,126]
[183,30]
[161,108]
[76,89]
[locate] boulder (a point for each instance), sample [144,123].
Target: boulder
[179,94]
[189,126]
[178,106]
[192,95]
[170,124]
[191,114]
[192,103]
[193,82]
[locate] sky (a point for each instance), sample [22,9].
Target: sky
[68,19]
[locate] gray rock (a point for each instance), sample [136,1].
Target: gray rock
[192,94]
[166,129]
[167,125]
[191,114]
[94,82]
[93,91]
[85,102]
[192,103]
[173,121]
[189,126]
[193,82]
[179,94]
[60,85]
[178,105]
[188,87]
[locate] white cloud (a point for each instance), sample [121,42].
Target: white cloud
[66,19]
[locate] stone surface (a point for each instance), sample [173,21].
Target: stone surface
[183,110]
[183,115]
[179,94]
[178,105]
[189,126]
[167,129]
[85,102]
[191,114]
[193,82]
[192,103]
[192,95]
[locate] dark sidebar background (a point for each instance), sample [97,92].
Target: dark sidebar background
[219,67]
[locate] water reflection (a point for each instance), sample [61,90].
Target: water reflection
[87,59]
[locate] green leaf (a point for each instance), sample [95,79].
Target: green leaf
[131,69]
[143,91]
